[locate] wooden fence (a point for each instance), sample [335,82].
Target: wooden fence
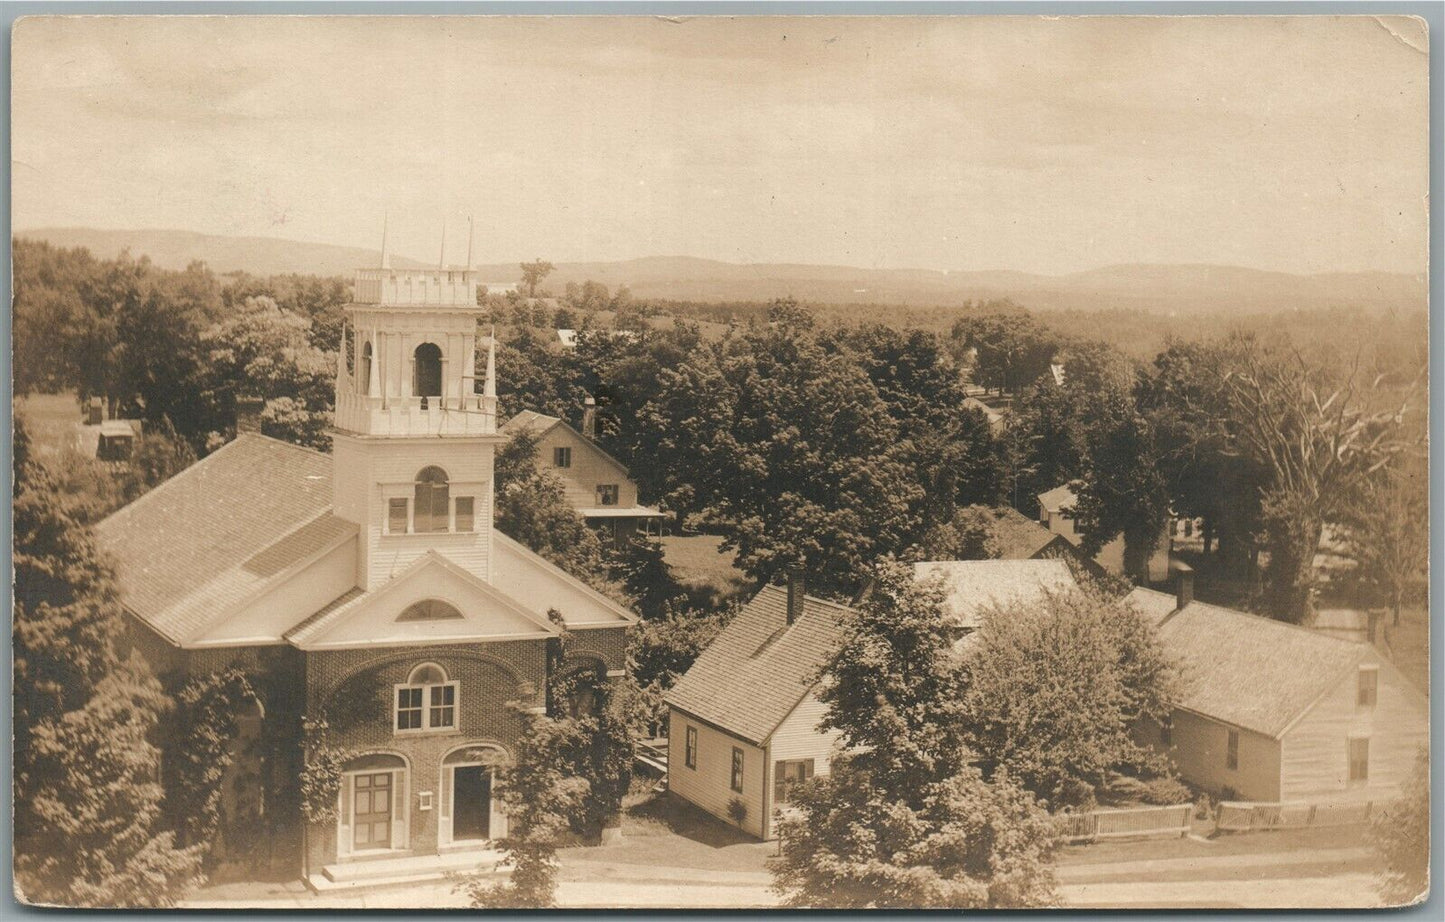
[1240,816]
[1127,822]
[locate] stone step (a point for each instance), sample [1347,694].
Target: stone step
[386,872]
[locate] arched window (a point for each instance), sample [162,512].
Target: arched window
[429,610]
[430,508]
[428,377]
[426,702]
[366,369]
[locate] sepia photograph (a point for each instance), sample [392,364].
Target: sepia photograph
[760,462]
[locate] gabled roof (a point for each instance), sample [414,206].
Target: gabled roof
[1019,537]
[525,574]
[489,613]
[539,424]
[1252,672]
[208,537]
[1155,606]
[760,667]
[1058,498]
[971,586]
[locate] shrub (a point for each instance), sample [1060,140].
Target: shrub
[1165,791]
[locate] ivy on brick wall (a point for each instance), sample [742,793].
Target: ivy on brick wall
[207,711]
[320,773]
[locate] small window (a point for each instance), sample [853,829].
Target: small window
[396,516]
[789,774]
[737,775]
[1231,755]
[607,494]
[1360,759]
[689,756]
[1369,687]
[466,514]
[562,457]
[408,708]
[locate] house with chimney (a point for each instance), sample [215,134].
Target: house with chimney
[743,721]
[596,484]
[366,592]
[1274,712]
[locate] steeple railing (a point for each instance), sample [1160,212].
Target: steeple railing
[456,415]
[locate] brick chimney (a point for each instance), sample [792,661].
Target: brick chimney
[1184,586]
[248,414]
[589,418]
[797,587]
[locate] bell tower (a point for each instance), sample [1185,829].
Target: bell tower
[416,429]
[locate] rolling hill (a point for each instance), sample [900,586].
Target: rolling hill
[1168,289]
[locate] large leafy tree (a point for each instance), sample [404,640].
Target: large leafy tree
[1318,432]
[1055,688]
[87,824]
[1006,347]
[265,351]
[903,820]
[789,450]
[1388,529]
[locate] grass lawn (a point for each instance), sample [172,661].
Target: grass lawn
[50,419]
[661,830]
[1408,645]
[699,563]
[1251,843]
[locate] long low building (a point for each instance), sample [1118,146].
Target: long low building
[1274,712]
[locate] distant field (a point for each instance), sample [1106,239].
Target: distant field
[50,419]
[699,562]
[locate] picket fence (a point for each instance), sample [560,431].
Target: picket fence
[1241,816]
[1127,822]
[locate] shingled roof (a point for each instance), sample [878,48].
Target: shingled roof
[1019,537]
[760,667]
[208,537]
[1252,672]
[970,586]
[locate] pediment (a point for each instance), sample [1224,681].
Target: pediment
[432,602]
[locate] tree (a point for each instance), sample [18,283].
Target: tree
[67,616]
[86,821]
[1055,689]
[1008,348]
[903,820]
[1388,530]
[788,450]
[1401,835]
[533,273]
[266,352]
[970,535]
[1123,489]
[1317,434]
[96,840]
[539,798]
[661,649]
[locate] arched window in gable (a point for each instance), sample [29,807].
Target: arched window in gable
[427,378]
[429,610]
[432,501]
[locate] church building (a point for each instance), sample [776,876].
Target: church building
[368,589]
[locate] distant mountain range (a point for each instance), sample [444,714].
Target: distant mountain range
[1181,288]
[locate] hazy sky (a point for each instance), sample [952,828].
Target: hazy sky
[1045,145]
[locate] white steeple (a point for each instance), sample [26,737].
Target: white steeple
[385,253]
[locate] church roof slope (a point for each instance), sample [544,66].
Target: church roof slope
[1253,672]
[203,534]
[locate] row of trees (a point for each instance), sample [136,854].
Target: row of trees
[177,348]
